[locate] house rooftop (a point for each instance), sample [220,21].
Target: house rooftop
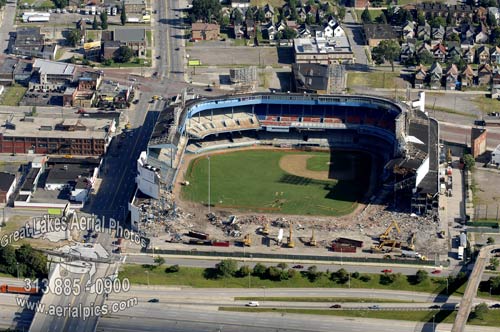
[130,35]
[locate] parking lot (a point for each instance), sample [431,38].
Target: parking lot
[218,54]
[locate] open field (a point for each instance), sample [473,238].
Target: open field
[254,180]
[387,80]
[12,95]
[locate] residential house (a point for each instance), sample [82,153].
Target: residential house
[269,12]
[450,32]
[240,3]
[338,31]
[292,25]
[409,29]
[304,31]
[468,76]
[239,33]
[134,6]
[439,52]
[134,38]
[461,11]
[495,13]
[481,13]
[438,33]
[327,30]
[495,85]
[407,51]
[424,32]
[469,54]
[483,54]
[435,75]
[311,11]
[454,52]
[250,29]
[484,73]
[425,48]
[495,55]
[468,35]
[482,37]
[374,33]
[452,78]
[301,13]
[420,77]
[205,31]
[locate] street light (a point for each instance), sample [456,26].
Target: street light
[208,157]
[250,273]
[147,273]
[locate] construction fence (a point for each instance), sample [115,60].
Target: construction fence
[488,212]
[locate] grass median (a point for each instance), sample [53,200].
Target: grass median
[491,318]
[321,299]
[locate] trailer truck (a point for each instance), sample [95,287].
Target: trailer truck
[17,290]
[463,240]
[461,253]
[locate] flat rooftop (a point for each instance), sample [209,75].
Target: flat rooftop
[322,45]
[21,126]
[53,68]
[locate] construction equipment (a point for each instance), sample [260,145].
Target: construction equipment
[392,244]
[247,241]
[265,230]
[290,242]
[411,243]
[313,242]
[128,126]
[385,235]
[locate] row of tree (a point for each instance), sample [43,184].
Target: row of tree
[23,262]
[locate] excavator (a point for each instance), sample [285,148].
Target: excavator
[411,243]
[385,235]
[265,230]
[313,242]
[392,244]
[290,242]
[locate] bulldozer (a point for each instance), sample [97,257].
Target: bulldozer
[247,241]
[290,242]
[313,242]
[385,235]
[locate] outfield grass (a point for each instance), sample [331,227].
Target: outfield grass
[321,299]
[491,318]
[12,95]
[386,80]
[253,180]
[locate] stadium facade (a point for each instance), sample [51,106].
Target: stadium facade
[402,135]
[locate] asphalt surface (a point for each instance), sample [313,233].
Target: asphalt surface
[7,24]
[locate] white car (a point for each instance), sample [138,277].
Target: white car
[252,304]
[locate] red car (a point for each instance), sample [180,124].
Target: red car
[387,271]
[436,272]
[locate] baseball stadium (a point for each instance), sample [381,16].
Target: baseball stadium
[300,154]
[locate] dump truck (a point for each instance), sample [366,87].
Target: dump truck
[355,243]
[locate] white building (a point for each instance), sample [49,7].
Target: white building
[495,156]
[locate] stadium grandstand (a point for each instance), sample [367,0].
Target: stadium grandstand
[402,136]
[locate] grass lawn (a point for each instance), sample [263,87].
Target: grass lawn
[262,3]
[491,318]
[430,108]
[373,12]
[194,277]
[486,105]
[384,79]
[319,163]
[239,42]
[321,299]
[60,53]
[149,36]
[12,95]
[254,180]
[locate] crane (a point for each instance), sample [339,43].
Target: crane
[385,235]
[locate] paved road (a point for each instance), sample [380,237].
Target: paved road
[7,24]
[354,32]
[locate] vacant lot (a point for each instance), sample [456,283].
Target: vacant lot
[219,54]
[12,96]
[387,80]
[487,193]
[254,180]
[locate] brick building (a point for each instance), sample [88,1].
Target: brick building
[205,31]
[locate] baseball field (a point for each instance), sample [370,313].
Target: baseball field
[280,181]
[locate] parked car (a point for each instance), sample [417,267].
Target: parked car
[436,272]
[495,306]
[298,266]
[375,306]
[435,306]
[386,271]
[336,306]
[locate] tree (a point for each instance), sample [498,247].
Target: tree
[490,240]
[291,273]
[282,265]
[123,15]
[480,311]
[249,15]
[237,16]
[366,17]
[206,10]
[172,269]
[387,50]
[244,271]
[342,276]
[491,20]
[261,16]
[469,161]
[449,18]
[381,19]
[273,273]
[421,276]
[494,283]
[341,13]
[73,37]
[61,3]
[426,58]
[159,260]
[123,54]
[259,270]
[226,268]
[95,25]
[104,20]
[420,18]
[8,260]
[494,263]
[313,273]
[289,33]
